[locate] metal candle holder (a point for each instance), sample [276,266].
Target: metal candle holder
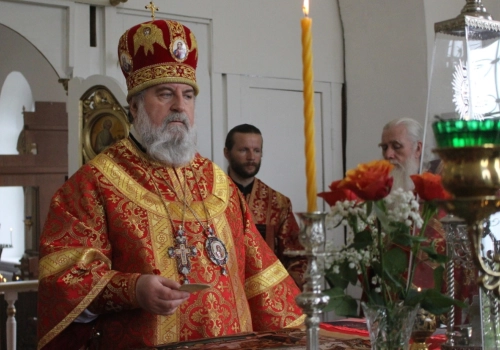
[312,300]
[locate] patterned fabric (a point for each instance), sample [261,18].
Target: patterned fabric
[273,215]
[108,225]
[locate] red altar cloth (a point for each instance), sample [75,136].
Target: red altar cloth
[350,334]
[357,328]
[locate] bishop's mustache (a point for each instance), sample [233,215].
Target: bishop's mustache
[176,117]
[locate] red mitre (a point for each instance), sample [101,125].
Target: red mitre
[157,52]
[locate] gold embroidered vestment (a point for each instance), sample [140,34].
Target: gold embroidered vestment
[108,225]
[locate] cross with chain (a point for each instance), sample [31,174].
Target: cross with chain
[182,253]
[151,7]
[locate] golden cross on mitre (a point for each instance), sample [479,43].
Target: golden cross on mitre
[151,7]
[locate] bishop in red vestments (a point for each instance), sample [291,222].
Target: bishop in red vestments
[148,216]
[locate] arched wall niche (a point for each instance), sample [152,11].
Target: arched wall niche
[15,97]
[24,57]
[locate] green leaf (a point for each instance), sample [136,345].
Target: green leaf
[362,240]
[336,280]
[413,297]
[379,209]
[395,281]
[352,275]
[369,206]
[435,256]
[340,303]
[418,239]
[402,237]
[438,303]
[376,298]
[396,261]
[345,276]
[438,277]
[399,228]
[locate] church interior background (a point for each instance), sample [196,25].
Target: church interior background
[371,65]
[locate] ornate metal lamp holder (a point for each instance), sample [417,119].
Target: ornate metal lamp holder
[472,175]
[312,300]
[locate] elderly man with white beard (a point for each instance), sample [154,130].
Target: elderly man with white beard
[402,145]
[150,243]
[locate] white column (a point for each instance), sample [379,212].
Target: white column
[10,298]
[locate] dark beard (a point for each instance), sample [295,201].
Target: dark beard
[239,169]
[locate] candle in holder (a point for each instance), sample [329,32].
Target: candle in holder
[308,78]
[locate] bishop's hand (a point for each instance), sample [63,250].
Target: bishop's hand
[159,295]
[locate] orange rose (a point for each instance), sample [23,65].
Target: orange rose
[337,194]
[428,186]
[369,181]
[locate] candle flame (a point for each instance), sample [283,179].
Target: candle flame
[419,289]
[305,8]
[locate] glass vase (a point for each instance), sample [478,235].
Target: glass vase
[389,328]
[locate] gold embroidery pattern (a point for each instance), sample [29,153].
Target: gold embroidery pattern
[221,189]
[156,74]
[194,44]
[57,262]
[298,322]
[130,188]
[136,193]
[124,59]
[223,232]
[162,239]
[77,310]
[168,329]
[177,34]
[253,250]
[176,31]
[147,35]
[268,278]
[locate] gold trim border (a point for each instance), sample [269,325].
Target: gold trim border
[266,279]
[70,317]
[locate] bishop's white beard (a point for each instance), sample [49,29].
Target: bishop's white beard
[174,145]
[401,174]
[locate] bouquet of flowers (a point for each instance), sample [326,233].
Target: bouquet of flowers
[385,240]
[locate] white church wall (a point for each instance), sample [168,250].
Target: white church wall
[21,56]
[386,70]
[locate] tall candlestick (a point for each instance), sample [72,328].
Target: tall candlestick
[11,236]
[308,78]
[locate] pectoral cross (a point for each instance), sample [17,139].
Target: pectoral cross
[151,7]
[181,252]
